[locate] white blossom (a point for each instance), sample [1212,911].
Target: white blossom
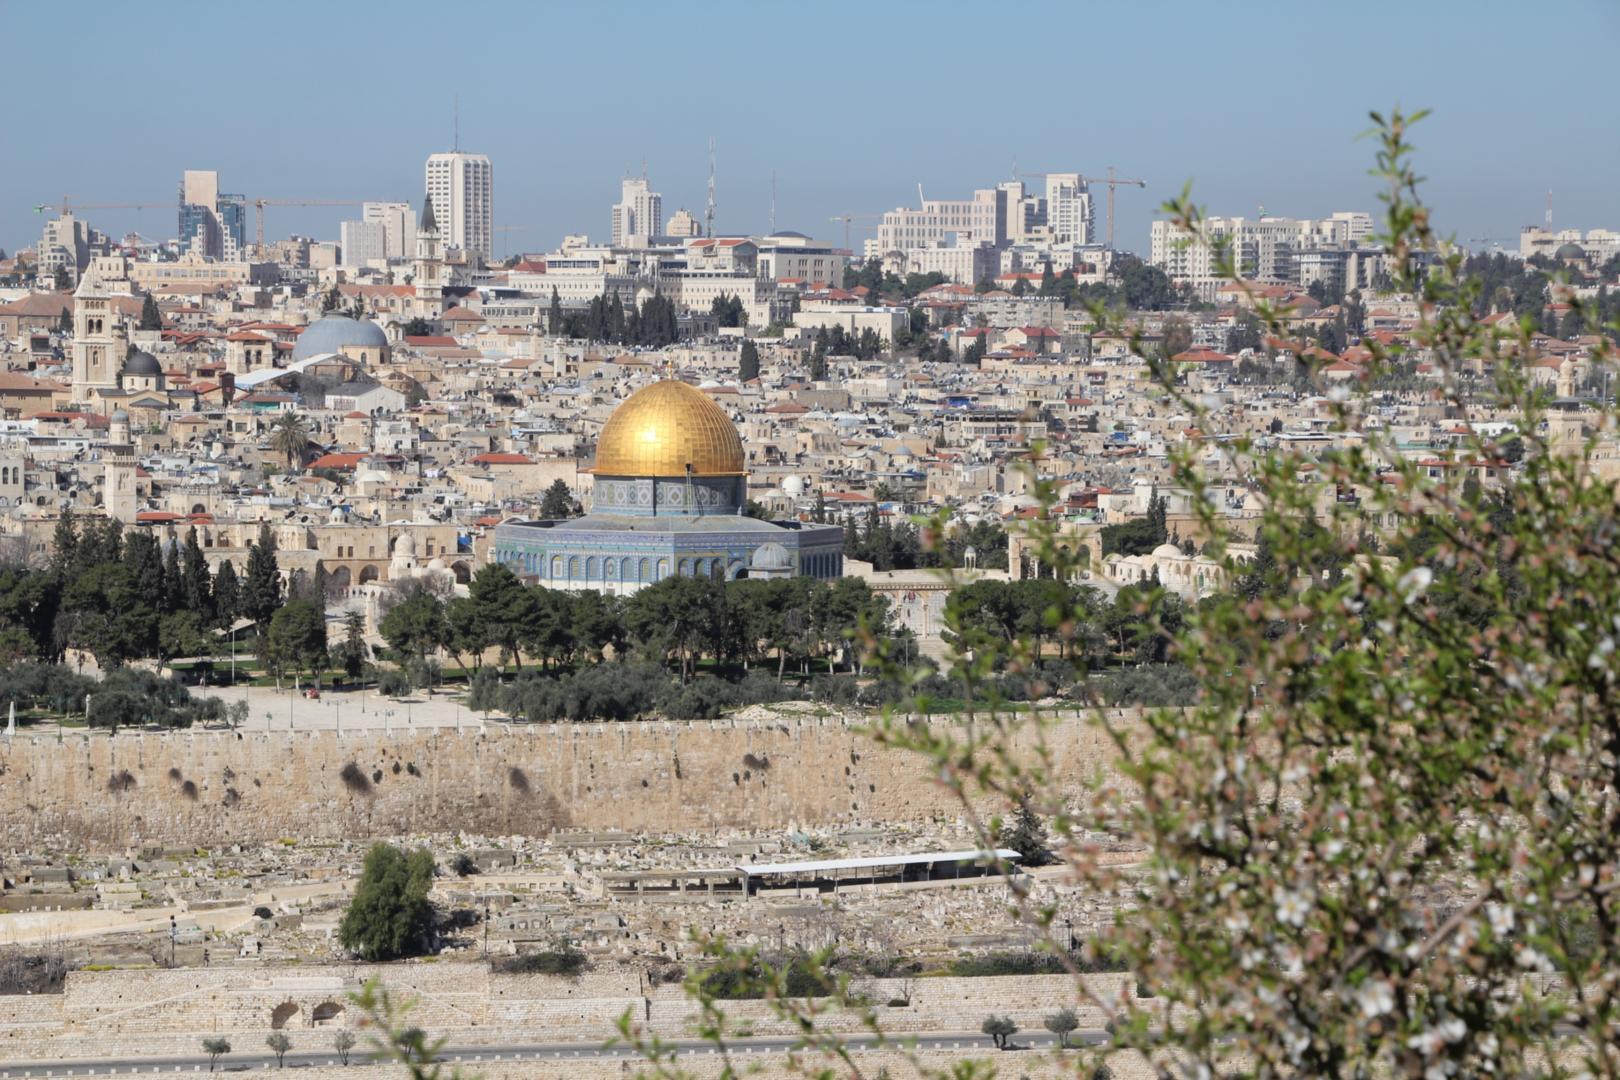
[1292,907]
[1500,917]
[1375,997]
[1414,583]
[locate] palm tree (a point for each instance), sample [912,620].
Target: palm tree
[290,436]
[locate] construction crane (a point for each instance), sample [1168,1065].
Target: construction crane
[1111,180]
[848,219]
[260,204]
[68,207]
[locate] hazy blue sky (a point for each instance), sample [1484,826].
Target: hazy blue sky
[851,104]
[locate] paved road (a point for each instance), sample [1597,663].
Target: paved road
[255,1057]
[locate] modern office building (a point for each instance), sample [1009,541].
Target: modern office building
[211,223]
[461,188]
[398,220]
[363,243]
[638,216]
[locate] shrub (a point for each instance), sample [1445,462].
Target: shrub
[1026,962]
[462,865]
[565,960]
[31,973]
[393,682]
[354,778]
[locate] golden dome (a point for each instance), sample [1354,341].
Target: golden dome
[662,429]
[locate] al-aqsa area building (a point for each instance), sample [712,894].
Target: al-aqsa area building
[670,483]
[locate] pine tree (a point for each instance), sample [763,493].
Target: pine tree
[554,318]
[1026,835]
[748,362]
[64,325]
[819,516]
[818,361]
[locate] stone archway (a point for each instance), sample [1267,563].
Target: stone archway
[339,579]
[327,1014]
[367,574]
[462,571]
[283,1014]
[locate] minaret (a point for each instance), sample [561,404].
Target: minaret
[118,478]
[429,277]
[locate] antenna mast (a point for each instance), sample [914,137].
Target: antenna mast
[708,215]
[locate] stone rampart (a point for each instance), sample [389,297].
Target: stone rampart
[92,792]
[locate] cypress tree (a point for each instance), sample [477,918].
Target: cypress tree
[64,542]
[174,580]
[554,319]
[748,362]
[226,595]
[151,318]
[195,582]
[261,593]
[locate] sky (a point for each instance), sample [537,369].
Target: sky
[850,105]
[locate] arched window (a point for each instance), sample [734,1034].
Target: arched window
[573,568]
[643,570]
[556,566]
[591,568]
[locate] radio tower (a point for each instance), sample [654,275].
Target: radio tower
[708,215]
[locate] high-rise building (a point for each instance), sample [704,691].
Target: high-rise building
[398,220]
[461,188]
[232,212]
[684,224]
[363,243]
[638,215]
[1068,209]
[211,223]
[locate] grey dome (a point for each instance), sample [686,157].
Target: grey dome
[771,557]
[332,333]
[142,363]
[119,416]
[1570,251]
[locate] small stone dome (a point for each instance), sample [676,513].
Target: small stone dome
[793,486]
[332,333]
[771,556]
[1567,252]
[143,364]
[1167,551]
[119,416]
[437,563]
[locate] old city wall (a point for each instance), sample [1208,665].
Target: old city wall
[91,792]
